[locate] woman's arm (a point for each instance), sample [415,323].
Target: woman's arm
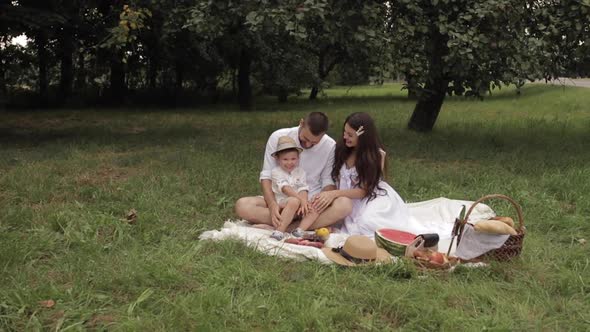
[325,198]
[350,193]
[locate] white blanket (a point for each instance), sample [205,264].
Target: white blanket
[433,216]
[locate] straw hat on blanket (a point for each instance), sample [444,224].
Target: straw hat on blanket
[358,250]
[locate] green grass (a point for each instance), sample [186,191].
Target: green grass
[67,178]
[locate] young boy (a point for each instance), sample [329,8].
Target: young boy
[290,188]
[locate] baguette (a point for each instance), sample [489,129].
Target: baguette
[507,220]
[494,227]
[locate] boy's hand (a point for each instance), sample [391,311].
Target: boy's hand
[304,208]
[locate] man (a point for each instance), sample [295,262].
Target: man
[317,160]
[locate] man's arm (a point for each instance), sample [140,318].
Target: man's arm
[326,175]
[266,182]
[267,193]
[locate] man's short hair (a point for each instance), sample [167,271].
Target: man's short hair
[317,123]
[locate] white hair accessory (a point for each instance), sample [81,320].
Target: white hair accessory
[360,131]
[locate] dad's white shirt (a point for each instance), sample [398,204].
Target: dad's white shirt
[317,161]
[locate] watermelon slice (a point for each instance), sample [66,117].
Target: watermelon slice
[394,241]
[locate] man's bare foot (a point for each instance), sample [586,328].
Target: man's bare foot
[264,226]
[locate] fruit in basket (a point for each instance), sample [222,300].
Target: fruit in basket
[394,241]
[494,227]
[422,255]
[507,220]
[437,258]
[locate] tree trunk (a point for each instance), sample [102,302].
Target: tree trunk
[412,86]
[80,72]
[314,92]
[211,88]
[179,77]
[244,87]
[233,82]
[43,62]
[282,95]
[67,65]
[323,71]
[152,73]
[431,99]
[117,86]
[178,80]
[2,79]
[428,106]
[316,86]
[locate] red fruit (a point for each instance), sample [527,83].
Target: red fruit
[423,255]
[437,258]
[396,236]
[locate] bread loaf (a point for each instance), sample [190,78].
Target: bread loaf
[507,220]
[494,227]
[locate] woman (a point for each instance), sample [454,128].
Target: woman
[359,167]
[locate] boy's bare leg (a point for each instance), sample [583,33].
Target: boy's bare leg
[340,208]
[253,209]
[290,207]
[308,220]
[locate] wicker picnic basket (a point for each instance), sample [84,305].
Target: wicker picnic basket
[513,245]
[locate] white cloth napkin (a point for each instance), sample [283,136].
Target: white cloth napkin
[474,244]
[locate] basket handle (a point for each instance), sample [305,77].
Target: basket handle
[504,197]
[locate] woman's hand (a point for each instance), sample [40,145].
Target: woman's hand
[323,200]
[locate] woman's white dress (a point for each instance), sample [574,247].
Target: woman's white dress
[387,210]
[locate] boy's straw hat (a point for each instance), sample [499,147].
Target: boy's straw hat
[358,250]
[286,143]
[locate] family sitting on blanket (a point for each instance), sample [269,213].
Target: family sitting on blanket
[307,175]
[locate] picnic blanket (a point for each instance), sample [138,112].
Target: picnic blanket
[432,216]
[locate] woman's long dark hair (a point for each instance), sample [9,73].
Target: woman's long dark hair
[368,155]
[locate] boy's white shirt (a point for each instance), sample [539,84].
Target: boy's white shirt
[317,161]
[280,178]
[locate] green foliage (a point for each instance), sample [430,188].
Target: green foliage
[131,21]
[117,52]
[565,26]
[482,44]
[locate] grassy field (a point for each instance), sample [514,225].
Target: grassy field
[67,178]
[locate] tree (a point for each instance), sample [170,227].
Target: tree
[564,26]
[471,46]
[343,31]
[224,23]
[38,20]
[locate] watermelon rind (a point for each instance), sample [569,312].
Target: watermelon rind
[393,247]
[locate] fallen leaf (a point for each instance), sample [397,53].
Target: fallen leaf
[131,217]
[47,303]
[98,320]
